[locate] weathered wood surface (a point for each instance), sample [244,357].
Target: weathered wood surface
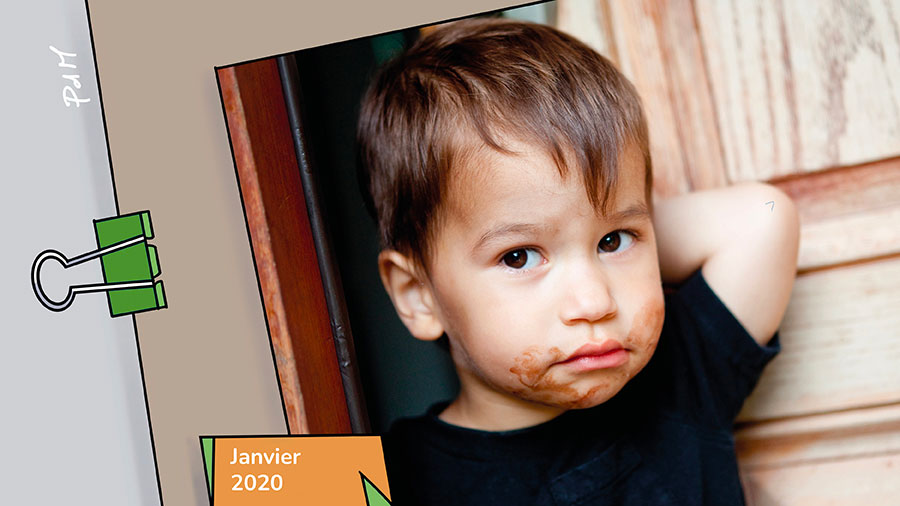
[283,248]
[840,344]
[802,86]
[740,91]
[847,214]
[254,209]
[862,481]
[863,432]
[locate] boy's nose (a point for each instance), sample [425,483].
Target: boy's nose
[587,297]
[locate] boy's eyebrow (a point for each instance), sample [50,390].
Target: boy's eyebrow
[637,210]
[504,230]
[634,211]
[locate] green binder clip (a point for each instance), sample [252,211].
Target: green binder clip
[129,264]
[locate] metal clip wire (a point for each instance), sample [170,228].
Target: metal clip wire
[88,288]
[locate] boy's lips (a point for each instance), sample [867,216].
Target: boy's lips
[609,353]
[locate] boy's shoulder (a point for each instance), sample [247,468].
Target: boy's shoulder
[707,361]
[667,429]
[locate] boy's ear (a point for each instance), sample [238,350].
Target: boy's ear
[410,294]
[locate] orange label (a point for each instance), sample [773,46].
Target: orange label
[295,470]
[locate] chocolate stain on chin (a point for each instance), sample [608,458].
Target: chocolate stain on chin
[539,384]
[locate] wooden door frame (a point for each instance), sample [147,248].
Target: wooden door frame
[299,286]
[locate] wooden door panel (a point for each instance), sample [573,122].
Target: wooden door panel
[869,480]
[847,214]
[802,86]
[283,248]
[840,345]
[816,438]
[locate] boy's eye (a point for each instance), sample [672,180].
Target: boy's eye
[615,241]
[524,258]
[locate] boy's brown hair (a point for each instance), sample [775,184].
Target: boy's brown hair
[488,79]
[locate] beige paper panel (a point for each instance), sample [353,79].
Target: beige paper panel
[207,361]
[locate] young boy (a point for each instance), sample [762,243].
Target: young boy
[509,168]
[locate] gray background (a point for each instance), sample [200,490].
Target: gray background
[74,428]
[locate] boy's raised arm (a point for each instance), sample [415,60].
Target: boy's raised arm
[744,237]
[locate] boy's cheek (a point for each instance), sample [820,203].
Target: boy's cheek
[647,325]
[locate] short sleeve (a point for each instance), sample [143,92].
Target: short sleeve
[714,360]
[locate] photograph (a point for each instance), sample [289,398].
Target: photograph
[651,243]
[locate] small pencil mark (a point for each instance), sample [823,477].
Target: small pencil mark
[773,204]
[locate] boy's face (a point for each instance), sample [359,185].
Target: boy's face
[547,303]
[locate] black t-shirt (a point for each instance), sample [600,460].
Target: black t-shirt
[665,438]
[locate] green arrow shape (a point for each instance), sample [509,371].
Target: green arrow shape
[206,446]
[374,497]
